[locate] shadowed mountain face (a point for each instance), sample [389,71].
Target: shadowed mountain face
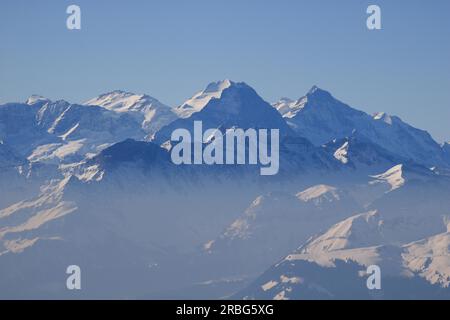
[446,149]
[359,153]
[94,185]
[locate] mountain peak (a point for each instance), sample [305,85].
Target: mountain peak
[313,89]
[124,101]
[290,108]
[316,92]
[225,105]
[154,114]
[35,98]
[202,98]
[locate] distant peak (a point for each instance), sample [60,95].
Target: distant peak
[316,92]
[313,89]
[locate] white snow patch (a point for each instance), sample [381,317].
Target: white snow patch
[269,285]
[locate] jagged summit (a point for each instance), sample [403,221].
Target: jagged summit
[314,97]
[35,98]
[316,92]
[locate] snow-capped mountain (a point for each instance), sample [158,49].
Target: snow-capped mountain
[154,114]
[333,265]
[20,130]
[274,224]
[200,100]
[399,175]
[82,184]
[321,118]
[237,106]
[54,132]
[82,130]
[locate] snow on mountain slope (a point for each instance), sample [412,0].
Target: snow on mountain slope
[54,132]
[201,99]
[359,153]
[24,217]
[362,230]
[76,131]
[402,188]
[373,230]
[273,224]
[289,108]
[430,258]
[130,200]
[398,175]
[19,178]
[72,222]
[333,265]
[321,118]
[320,194]
[154,114]
[404,231]
[19,129]
[72,122]
[394,177]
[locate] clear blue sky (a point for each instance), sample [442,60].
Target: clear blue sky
[171,49]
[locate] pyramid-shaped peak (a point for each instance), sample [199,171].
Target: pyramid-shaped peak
[315,91]
[213,90]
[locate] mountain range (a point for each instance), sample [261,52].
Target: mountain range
[93,184]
